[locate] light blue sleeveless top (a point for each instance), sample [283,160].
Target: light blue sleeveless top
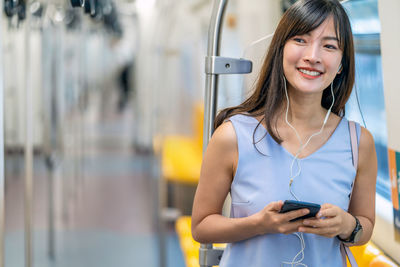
[326,176]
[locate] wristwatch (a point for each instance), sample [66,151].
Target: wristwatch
[355,235]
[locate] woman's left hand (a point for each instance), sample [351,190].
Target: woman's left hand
[330,222]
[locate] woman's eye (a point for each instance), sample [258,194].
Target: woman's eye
[331,47]
[298,40]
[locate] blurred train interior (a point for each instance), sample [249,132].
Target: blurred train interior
[101,123]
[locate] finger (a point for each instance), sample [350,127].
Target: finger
[275,206]
[318,223]
[295,214]
[328,212]
[293,228]
[317,231]
[326,206]
[290,227]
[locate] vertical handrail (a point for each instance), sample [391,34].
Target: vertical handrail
[2,175]
[211,90]
[28,143]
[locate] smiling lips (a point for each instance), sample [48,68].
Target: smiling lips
[309,73]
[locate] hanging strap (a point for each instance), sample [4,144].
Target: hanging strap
[345,250]
[354,150]
[354,142]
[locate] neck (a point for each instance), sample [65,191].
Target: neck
[305,110]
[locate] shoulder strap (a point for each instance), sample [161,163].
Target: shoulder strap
[354,142]
[354,150]
[346,252]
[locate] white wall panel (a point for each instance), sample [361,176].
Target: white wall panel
[14,86]
[390,43]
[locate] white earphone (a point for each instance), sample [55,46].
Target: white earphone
[300,235]
[298,136]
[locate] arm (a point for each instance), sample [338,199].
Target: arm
[362,203]
[363,199]
[218,168]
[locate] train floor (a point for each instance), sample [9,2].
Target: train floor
[100,198]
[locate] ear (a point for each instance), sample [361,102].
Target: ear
[340,69]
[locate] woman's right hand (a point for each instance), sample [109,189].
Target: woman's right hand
[270,221]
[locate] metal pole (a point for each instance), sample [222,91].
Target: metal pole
[161,223]
[2,199]
[51,135]
[210,98]
[211,90]
[28,144]
[50,192]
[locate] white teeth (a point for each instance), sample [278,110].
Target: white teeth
[308,72]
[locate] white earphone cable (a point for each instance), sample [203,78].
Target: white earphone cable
[298,262]
[295,262]
[295,159]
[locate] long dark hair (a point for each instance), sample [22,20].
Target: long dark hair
[302,17]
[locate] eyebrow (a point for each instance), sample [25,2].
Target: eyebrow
[330,38]
[326,38]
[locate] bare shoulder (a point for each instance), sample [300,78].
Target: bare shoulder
[222,151]
[367,153]
[224,136]
[366,140]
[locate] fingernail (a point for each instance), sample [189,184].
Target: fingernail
[306,211]
[306,222]
[301,229]
[319,214]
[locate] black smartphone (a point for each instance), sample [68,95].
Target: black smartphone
[290,205]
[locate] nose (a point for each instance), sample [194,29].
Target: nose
[312,54]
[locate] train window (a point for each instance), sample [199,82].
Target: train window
[369,110]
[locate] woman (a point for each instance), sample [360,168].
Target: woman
[289,140]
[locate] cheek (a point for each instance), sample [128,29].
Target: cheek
[333,63]
[290,58]
[290,55]
[333,68]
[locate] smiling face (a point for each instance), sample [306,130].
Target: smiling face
[312,60]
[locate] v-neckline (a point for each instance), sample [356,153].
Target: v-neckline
[288,152]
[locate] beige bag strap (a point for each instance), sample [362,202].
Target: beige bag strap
[345,250]
[354,149]
[354,142]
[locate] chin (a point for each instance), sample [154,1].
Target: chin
[307,89]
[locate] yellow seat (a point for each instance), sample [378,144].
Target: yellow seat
[371,252]
[358,251]
[370,255]
[182,155]
[181,159]
[190,248]
[364,254]
[382,261]
[198,121]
